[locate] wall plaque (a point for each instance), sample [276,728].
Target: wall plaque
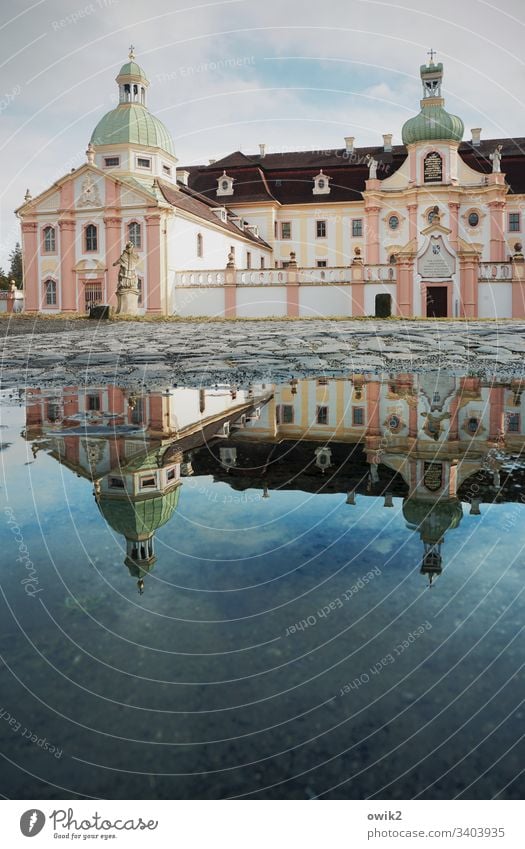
[433,168]
[433,476]
[436,261]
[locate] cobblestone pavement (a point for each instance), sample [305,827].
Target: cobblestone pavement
[158,354]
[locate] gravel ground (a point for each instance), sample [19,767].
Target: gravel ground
[52,352]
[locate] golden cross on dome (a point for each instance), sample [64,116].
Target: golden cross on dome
[131,53]
[431,53]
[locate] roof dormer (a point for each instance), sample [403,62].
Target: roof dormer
[224,185]
[221,213]
[321,184]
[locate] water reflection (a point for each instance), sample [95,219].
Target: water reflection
[225,596]
[437,441]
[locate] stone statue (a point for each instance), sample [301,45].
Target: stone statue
[127,273]
[496,159]
[127,289]
[372,166]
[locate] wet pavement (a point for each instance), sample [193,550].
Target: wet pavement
[52,352]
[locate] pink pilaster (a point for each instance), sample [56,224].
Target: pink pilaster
[68,282]
[469,274]
[113,249]
[358,288]
[454,224]
[154,304]
[405,278]
[30,264]
[453,432]
[372,395]
[497,231]
[497,411]
[412,221]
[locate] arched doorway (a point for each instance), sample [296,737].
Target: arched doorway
[383,305]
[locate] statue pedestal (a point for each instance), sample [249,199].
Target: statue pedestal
[127,302]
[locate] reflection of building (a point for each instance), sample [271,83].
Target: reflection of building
[134,448]
[434,440]
[429,227]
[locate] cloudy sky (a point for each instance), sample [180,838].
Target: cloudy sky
[232,74]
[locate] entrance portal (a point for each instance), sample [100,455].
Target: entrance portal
[437,302]
[383,306]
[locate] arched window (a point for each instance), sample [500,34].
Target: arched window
[200,245]
[134,234]
[50,293]
[49,240]
[91,238]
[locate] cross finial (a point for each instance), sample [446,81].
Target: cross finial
[131,53]
[431,53]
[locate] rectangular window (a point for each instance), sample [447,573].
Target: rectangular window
[139,286]
[513,423]
[514,222]
[166,170]
[148,483]
[357,227]
[91,238]
[248,259]
[142,162]
[321,263]
[93,402]
[111,161]
[358,416]
[262,262]
[50,289]
[322,381]
[170,475]
[116,483]
[275,230]
[322,415]
[284,414]
[286,229]
[320,229]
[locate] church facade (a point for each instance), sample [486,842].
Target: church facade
[431,227]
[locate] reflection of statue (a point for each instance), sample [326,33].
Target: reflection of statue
[496,159]
[127,274]
[372,166]
[127,289]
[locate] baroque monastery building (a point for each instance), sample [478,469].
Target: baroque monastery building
[432,227]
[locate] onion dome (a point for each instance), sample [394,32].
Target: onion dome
[433,123]
[138,520]
[432,519]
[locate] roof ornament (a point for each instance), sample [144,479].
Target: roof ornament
[28,196]
[372,166]
[90,154]
[431,53]
[131,53]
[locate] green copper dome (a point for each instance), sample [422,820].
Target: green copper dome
[433,123]
[132,123]
[139,519]
[132,69]
[432,519]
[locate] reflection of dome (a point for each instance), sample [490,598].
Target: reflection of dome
[132,123]
[138,520]
[431,519]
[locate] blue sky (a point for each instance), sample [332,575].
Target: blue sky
[227,75]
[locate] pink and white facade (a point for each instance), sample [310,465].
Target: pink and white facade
[432,227]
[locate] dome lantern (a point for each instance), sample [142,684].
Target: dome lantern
[433,123]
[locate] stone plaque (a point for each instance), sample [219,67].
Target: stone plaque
[436,261]
[433,168]
[433,476]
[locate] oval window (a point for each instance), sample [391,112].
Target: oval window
[473,219]
[321,184]
[224,185]
[393,222]
[394,422]
[472,425]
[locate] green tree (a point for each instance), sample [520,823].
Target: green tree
[4,280]
[15,267]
